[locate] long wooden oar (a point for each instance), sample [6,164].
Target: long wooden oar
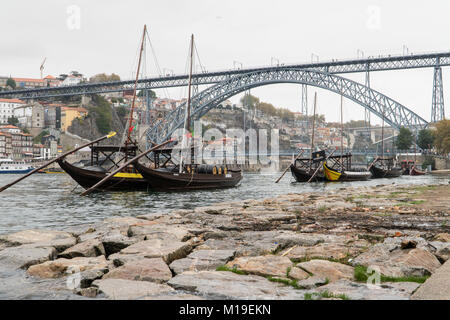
[123,166]
[318,167]
[111,134]
[293,162]
[373,162]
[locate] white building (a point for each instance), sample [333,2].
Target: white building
[30,115]
[7,107]
[71,80]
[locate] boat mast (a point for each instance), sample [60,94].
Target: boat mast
[342,135]
[187,119]
[128,141]
[314,123]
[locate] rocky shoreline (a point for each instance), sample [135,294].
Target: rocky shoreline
[383,242]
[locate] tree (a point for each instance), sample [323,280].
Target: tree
[151,93]
[13,121]
[11,83]
[102,77]
[442,136]
[425,139]
[404,139]
[249,101]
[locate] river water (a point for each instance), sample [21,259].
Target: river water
[52,201]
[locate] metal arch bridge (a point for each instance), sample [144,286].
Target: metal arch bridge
[435,60]
[395,114]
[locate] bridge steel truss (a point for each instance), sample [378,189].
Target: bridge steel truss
[395,114]
[207,78]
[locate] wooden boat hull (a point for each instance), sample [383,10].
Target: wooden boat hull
[332,175]
[161,179]
[120,182]
[302,175]
[416,172]
[378,172]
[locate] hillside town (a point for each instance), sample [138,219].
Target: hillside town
[32,130]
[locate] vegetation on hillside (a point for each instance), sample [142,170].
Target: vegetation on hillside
[102,77]
[442,137]
[103,113]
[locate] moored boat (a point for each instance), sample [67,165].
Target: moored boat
[191,177]
[127,180]
[385,168]
[9,166]
[414,171]
[332,174]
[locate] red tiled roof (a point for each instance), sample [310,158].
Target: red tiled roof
[28,80]
[12,100]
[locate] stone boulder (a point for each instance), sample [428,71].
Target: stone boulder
[327,269]
[443,253]
[202,260]
[25,256]
[46,238]
[398,262]
[298,274]
[322,251]
[159,248]
[437,287]
[89,248]
[228,285]
[269,265]
[361,291]
[121,289]
[63,267]
[154,270]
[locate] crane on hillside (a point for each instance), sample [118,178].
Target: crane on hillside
[42,67]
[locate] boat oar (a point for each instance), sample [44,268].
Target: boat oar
[123,166]
[111,134]
[318,167]
[293,162]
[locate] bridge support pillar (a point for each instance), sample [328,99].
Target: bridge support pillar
[437,105]
[304,106]
[366,111]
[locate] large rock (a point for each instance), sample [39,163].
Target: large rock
[202,260]
[46,238]
[154,270]
[360,291]
[327,269]
[444,237]
[115,241]
[120,289]
[322,251]
[398,262]
[298,274]
[228,285]
[89,248]
[159,248]
[62,267]
[443,253]
[437,287]
[269,265]
[25,256]
[158,231]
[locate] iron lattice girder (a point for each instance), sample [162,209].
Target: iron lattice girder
[437,106]
[395,114]
[205,78]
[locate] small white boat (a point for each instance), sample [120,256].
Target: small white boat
[11,166]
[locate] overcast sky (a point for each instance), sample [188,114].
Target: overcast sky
[104,37]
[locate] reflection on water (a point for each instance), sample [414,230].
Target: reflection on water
[53,200]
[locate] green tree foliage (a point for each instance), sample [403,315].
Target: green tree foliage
[103,113]
[102,77]
[38,138]
[425,139]
[442,136]
[404,139]
[252,103]
[151,92]
[13,121]
[11,83]
[249,101]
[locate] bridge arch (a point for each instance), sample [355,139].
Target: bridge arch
[395,113]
